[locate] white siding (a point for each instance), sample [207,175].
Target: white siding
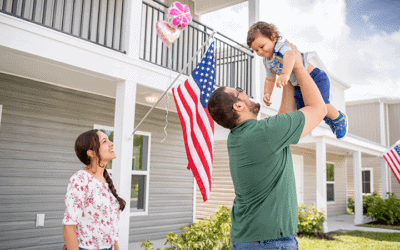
[364,121]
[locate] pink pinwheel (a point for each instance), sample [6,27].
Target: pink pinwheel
[179,15]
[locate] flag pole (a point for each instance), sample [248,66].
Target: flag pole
[176,78]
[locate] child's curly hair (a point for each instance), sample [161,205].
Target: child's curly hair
[263,28]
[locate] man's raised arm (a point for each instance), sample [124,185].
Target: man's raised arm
[315,107]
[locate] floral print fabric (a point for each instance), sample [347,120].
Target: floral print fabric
[94,210]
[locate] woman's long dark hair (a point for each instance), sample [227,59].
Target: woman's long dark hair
[90,141]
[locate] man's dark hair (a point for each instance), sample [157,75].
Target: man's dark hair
[220,107]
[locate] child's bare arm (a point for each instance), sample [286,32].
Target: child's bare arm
[268,88]
[287,68]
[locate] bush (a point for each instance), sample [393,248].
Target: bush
[385,211]
[215,231]
[211,233]
[368,201]
[310,221]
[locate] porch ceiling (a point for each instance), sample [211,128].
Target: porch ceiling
[206,6]
[29,66]
[32,67]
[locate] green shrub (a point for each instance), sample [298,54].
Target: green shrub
[215,231]
[211,233]
[310,221]
[368,201]
[385,211]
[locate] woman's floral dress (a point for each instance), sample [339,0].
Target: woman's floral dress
[94,210]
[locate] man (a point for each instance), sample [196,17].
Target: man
[264,212]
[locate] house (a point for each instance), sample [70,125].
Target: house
[70,66]
[325,168]
[384,131]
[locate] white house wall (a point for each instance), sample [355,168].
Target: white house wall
[310,182]
[222,190]
[364,121]
[367,162]
[394,122]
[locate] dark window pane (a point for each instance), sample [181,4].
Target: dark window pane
[330,172]
[140,152]
[330,192]
[138,187]
[366,181]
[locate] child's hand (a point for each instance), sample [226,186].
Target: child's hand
[282,80]
[267,99]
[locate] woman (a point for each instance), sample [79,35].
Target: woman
[92,207]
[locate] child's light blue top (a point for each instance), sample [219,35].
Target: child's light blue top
[280,49]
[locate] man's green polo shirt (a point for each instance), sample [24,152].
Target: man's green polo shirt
[262,172]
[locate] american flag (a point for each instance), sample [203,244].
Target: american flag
[191,98]
[392,157]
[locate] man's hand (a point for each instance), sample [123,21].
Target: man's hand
[298,60]
[282,80]
[267,99]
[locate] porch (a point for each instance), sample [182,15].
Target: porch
[104,23]
[346,222]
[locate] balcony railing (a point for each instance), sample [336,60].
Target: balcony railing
[233,60]
[96,21]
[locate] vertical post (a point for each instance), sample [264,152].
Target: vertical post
[131,27]
[358,202]
[384,173]
[258,92]
[123,145]
[194,198]
[382,122]
[321,179]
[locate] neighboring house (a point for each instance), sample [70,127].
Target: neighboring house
[377,120]
[70,66]
[324,166]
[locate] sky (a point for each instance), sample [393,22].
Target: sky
[357,40]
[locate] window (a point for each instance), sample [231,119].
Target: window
[330,182]
[367,181]
[140,169]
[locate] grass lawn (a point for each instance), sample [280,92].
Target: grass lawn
[357,240]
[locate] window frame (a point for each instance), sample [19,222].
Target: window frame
[136,172]
[371,182]
[331,182]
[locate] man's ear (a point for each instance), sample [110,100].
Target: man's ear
[238,106]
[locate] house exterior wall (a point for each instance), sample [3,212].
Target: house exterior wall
[222,190]
[367,162]
[310,182]
[394,123]
[39,125]
[364,121]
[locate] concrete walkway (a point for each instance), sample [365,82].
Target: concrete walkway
[346,222]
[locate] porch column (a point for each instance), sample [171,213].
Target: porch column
[123,146]
[358,202]
[321,179]
[384,170]
[132,25]
[254,16]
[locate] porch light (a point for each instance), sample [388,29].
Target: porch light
[151,99]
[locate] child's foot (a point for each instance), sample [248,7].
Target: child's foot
[330,123]
[341,125]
